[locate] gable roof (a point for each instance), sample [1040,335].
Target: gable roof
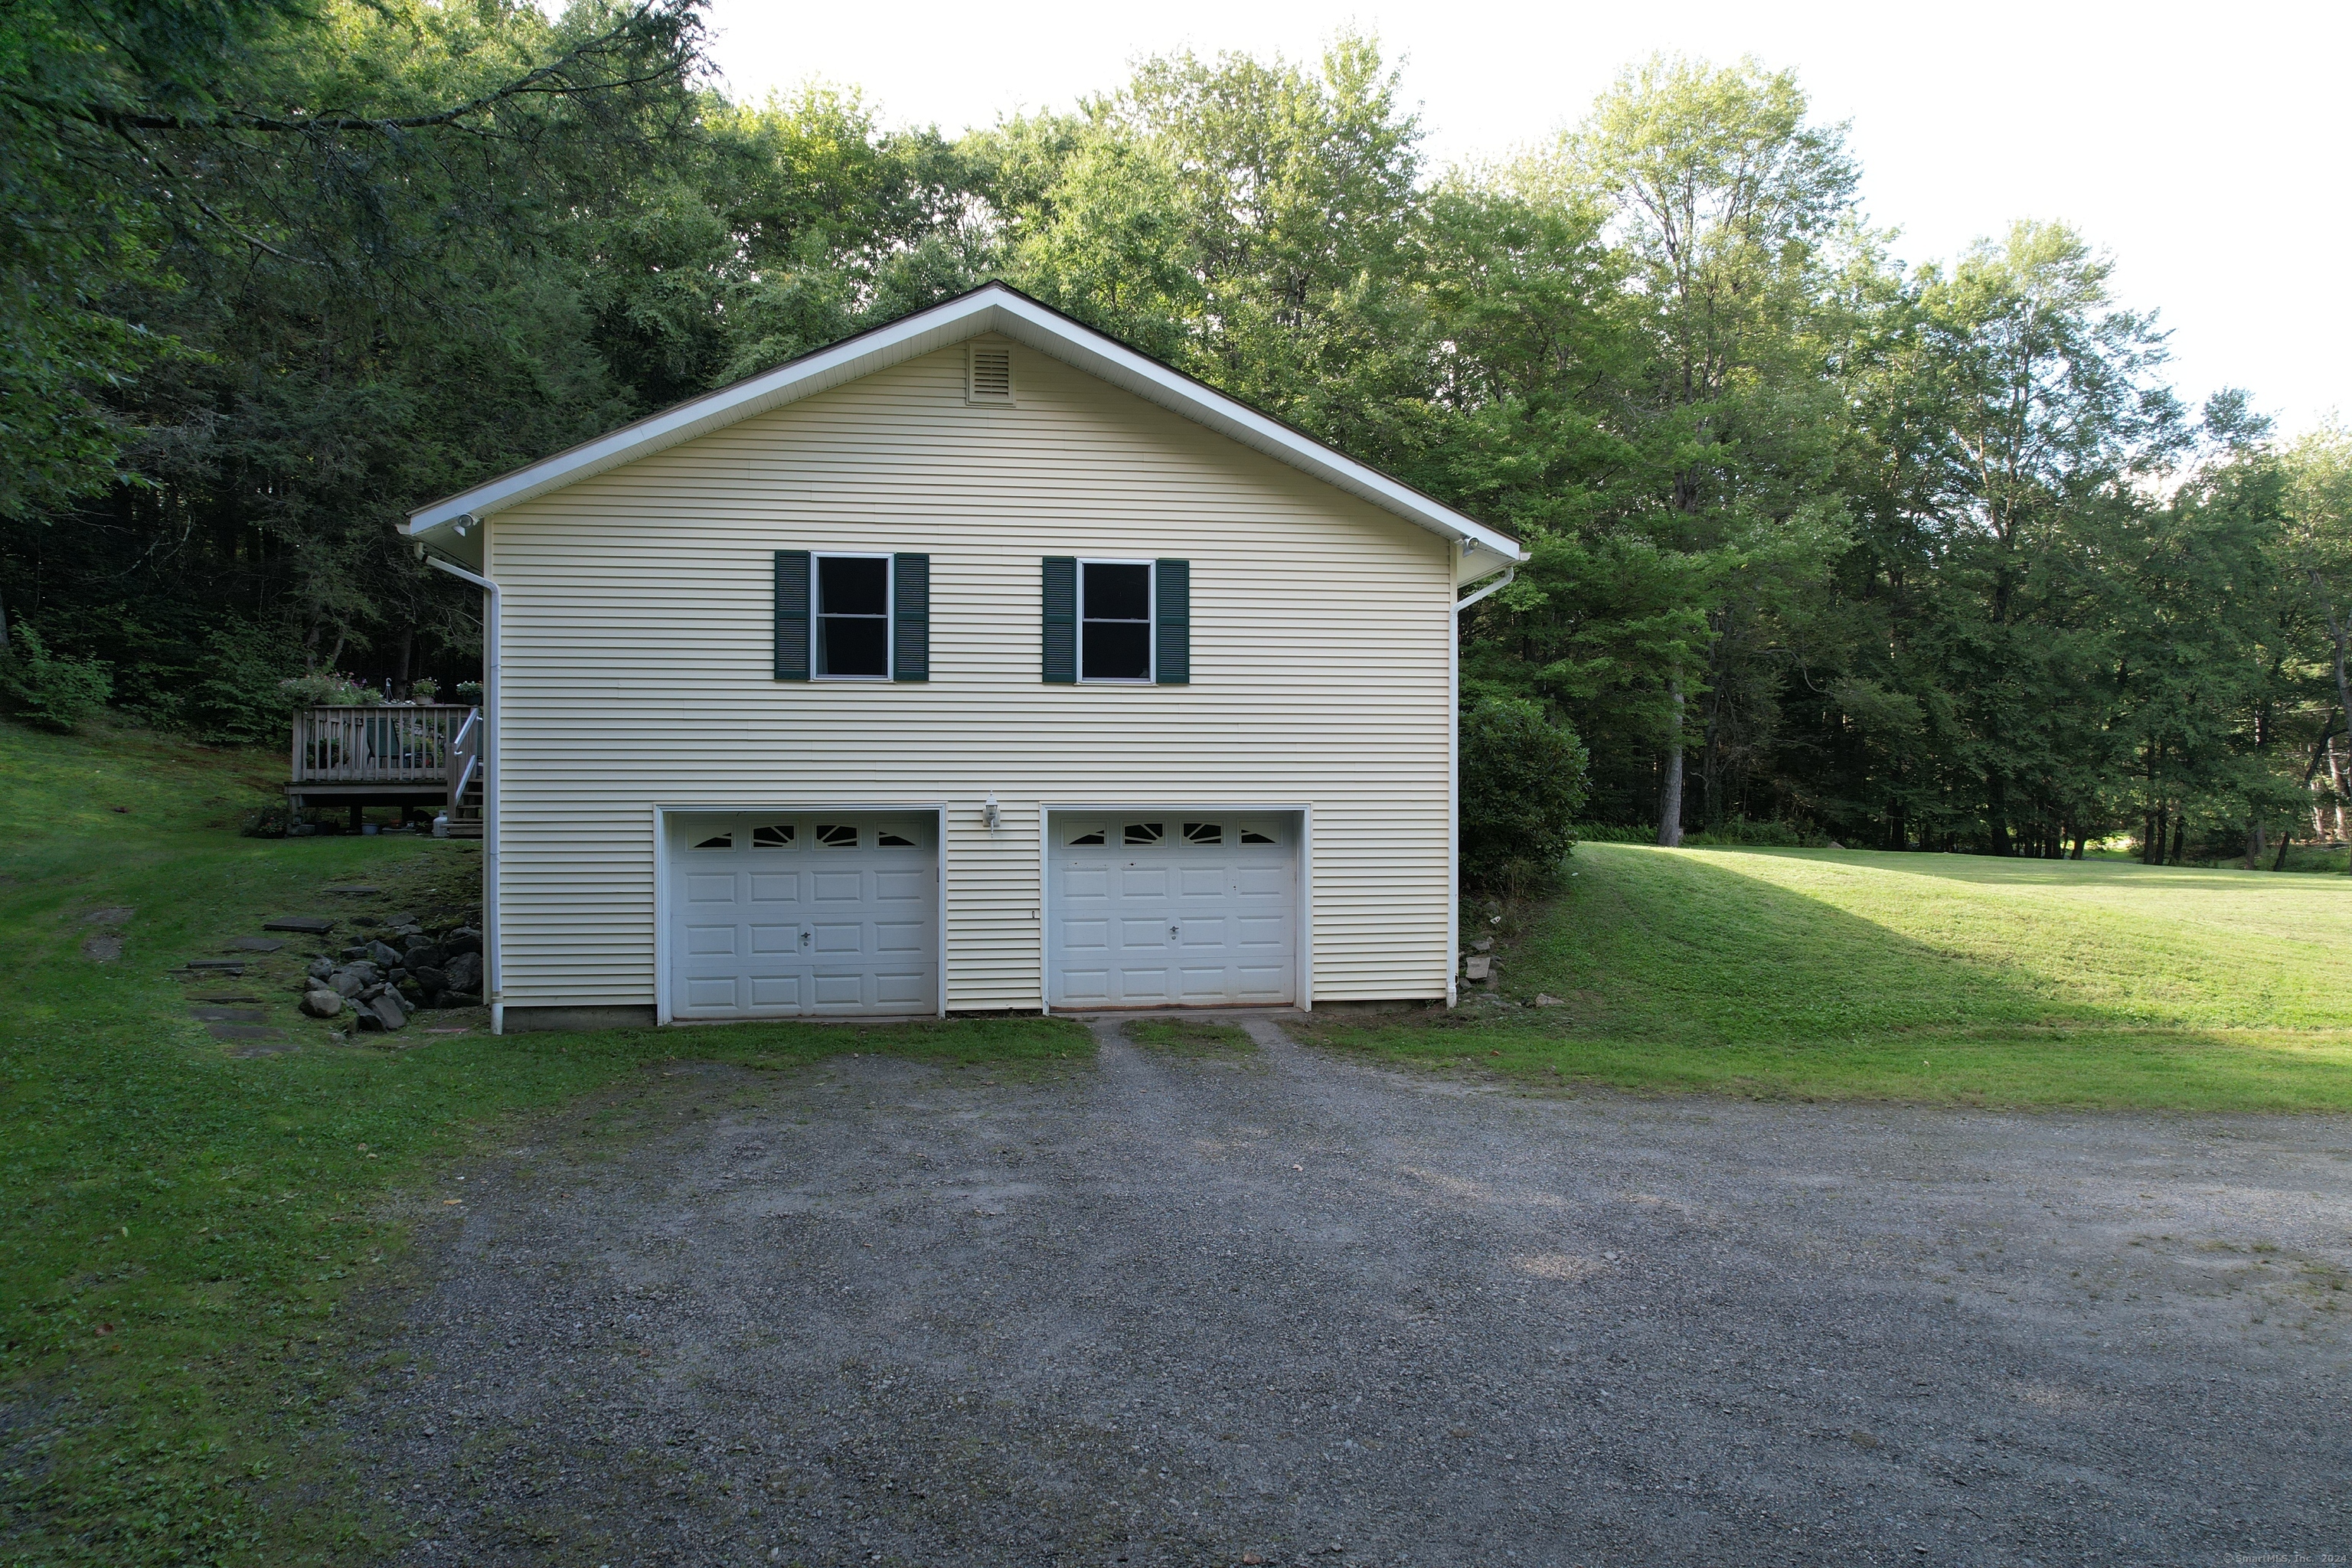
[991,307]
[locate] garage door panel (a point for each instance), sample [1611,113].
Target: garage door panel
[706,991]
[1257,981]
[780,992]
[1086,936]
[1085,985]
[838,990]
[1143,985]
[1201,882]
[839,937]
[711,940]
[903,989]
[1265,881]
[773,920]
[1142,882]
[1086,882]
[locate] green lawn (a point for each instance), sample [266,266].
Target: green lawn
[1841,974]
[182,1233]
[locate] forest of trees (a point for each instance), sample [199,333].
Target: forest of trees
[1923,557]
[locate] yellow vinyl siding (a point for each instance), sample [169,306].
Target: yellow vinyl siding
[639,640]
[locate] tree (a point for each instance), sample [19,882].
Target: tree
[1724,202]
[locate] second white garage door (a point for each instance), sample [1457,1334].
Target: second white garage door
[785,914]
[1172,908]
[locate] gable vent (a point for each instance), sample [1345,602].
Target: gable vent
[991,379]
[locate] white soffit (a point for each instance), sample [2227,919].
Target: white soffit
[990,309]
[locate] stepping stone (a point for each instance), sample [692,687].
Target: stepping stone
[102,948]
[234,965]
[265,1050]
[228,1014]
[218,1001]
[256,944]
[112,915]
[308,925]
[243,1032]
[356,892]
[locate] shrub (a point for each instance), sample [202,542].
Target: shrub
[1522,782]
[50,689]
[241,700]
[1766,835]
[329,691]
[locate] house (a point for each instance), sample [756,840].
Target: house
[976,663]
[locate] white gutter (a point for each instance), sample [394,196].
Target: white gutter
[1453,787]
[492,969]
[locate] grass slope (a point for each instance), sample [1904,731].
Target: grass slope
[1924,977]
[180,1230]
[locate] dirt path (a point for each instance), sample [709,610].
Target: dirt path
[1286,1307]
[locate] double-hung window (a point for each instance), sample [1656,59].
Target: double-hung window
[853,617]
[1115,620]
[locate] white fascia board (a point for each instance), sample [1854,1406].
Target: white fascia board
[990,309]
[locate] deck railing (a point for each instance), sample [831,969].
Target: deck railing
[389,744]
[465,756]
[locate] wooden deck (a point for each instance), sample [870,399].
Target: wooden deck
[392,754]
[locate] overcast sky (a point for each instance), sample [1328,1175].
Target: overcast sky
[2205,145]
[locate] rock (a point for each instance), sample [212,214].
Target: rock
[1545,999]
[423,954]
[430,978]
[102,948]
[463,940]
[384,955]
[354,955]
[395,976]
[322,968]
[402,919]
[389,1012]
[372,991]
[464,973]
[1484,944]
[307,925]
[1477,966]
[1835,845]
[322,1004]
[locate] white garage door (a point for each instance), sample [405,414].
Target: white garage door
[1172,908]
[791,914]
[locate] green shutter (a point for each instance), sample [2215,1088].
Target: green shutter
[910,651]
[792,614]
[1171,653]
[1061,620]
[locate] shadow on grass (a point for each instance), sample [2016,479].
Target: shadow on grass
[1669,969]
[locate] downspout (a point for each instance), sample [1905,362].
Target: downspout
[1453,787]
[492,734]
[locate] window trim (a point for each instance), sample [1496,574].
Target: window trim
[890,612]
[1150,621]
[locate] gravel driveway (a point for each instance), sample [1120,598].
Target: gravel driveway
[1284,1307]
